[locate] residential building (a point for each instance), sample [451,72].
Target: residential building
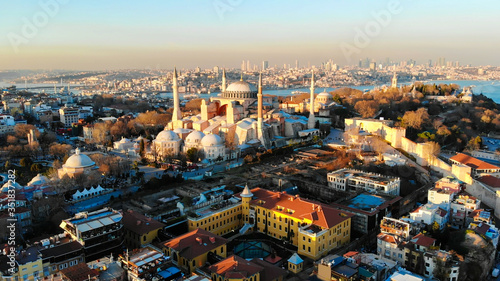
[100,232]
[477,167]
[355,180]
[461,207]
[142,263]
[69,115]
[337,268]
[190,251]
[369,210]
[430,213]
[450,264]
[139,229]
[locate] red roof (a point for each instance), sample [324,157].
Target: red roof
[423,240]
[139,223]
[79,272]
[195,243]
[235,267]
[473,162]
[490,181]
[320,214]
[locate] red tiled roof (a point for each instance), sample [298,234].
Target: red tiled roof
[235,267]
[423,240]
[270,272]
[473,162]
[387,238]
[79,272]
[189,247]
[490,181]
[139,223]
[320,214]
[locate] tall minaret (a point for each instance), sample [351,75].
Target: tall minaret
[223,80]
[311,123]
[394,80]
[259,109]
[177,110]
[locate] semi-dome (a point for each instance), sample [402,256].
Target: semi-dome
[195,137]
[78,160]
[38,180]
[167,135]
[15,185]
[240,89]
[211,140]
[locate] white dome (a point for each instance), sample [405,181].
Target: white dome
[124,140]
[241,87]
[78,160]
[38,180]
[211,140]
[15,185]
[324,94]
[195,137]
[167,135]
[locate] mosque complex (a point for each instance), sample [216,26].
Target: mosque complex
[238,118]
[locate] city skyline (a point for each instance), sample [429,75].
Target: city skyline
[93,35]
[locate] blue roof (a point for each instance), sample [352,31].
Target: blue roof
[169,272]
[365,202]
[295,259]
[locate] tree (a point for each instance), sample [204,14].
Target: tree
[474,143]
[37,167]
[22,130]
[192,154]
[367,108]
[25,162]
[118,129]
[415,119]
[59,150]
[142,147]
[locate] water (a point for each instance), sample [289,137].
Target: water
[490,89]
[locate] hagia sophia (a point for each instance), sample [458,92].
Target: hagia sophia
[238,118]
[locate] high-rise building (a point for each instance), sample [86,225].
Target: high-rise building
[243,66]
[248,66]
[216,69]
[265,65]
[373,66]
[296,64]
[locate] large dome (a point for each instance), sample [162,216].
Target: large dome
[15,185]
[195,137]
[78,160]
[211,140]
[167,135]
[240,89]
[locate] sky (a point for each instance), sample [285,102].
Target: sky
[103,35]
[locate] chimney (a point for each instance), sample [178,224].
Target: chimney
[199,240]
[212,239]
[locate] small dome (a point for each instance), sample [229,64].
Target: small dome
[15,185]
[78,160]
[38,180]
[324,94]
[167,135]
[195,137]
[241,87]
[211,140]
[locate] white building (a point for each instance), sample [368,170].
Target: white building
[451,266]
[167,143]
[430,213]
[213,147]
[352,180]
[69,115]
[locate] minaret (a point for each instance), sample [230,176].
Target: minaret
[311,123]
[177,111]
[394,81]
[260,131]
[223,80]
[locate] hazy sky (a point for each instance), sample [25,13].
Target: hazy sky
[88,35]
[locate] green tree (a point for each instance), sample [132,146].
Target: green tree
[25,162]
[192,154]
[142,146]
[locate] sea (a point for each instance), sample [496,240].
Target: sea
[490,89]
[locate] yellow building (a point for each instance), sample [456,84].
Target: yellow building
[218,219]
[139,229]
[29,266]
[313,227]
[295,263]
[190,250]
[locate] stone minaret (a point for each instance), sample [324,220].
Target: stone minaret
[260,128]
[177,110]
[394,81]
[311,123]
[223,89]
